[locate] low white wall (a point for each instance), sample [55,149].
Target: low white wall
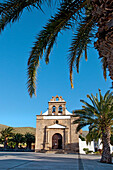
[82,145]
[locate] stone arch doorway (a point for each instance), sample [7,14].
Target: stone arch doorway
[57,141]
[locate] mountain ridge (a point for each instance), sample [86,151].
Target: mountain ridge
[22,130]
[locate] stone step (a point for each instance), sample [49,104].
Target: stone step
[56,151]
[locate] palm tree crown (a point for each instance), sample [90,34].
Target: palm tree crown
[99,117]
[84,14]
[29,139]
[17,138]
[6,134]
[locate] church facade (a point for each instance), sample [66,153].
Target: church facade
[55,129]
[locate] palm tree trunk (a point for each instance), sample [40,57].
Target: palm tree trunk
[16,147]
[29,146]
[5,143]
[106,156]
[103,10]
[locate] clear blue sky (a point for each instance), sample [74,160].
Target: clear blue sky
[16,107]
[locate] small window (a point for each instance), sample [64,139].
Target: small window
[60,109]
[56,121]
[53,109]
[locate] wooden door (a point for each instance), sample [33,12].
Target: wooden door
[57,141]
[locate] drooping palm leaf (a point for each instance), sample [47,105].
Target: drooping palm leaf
[95,135]
[80,41]
[47,37]
[11,10]
[68,12]
[104,66]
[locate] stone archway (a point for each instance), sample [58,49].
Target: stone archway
[57,141]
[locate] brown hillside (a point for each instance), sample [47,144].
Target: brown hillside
[22,130]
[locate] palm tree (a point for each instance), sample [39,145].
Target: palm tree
[29,139]
[18,138]
[93,19]
[5,135]
[99,117]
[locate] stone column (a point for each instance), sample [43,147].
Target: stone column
[50,109]
[56,113]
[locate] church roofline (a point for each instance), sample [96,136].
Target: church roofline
[56,126]
[57,102]
[55,115]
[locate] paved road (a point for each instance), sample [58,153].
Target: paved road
[41,161]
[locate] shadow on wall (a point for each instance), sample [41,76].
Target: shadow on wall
[44,139]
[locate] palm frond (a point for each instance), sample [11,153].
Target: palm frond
[104,66]
[95,102]
[85,52]
[109,97]
[92,127]
[81,125]
[84,118]
[11,10]
[47,37]
[95,134]
[106,95]
[101,97]
[79,43]
[32,81]
[92,108]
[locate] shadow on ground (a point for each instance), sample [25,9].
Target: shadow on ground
[51,161]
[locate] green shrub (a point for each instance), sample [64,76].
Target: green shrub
[97,153]
[86,150]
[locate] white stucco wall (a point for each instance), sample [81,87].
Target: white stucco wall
[82,145]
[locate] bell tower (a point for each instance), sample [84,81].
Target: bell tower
[55,128]
[57,106]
